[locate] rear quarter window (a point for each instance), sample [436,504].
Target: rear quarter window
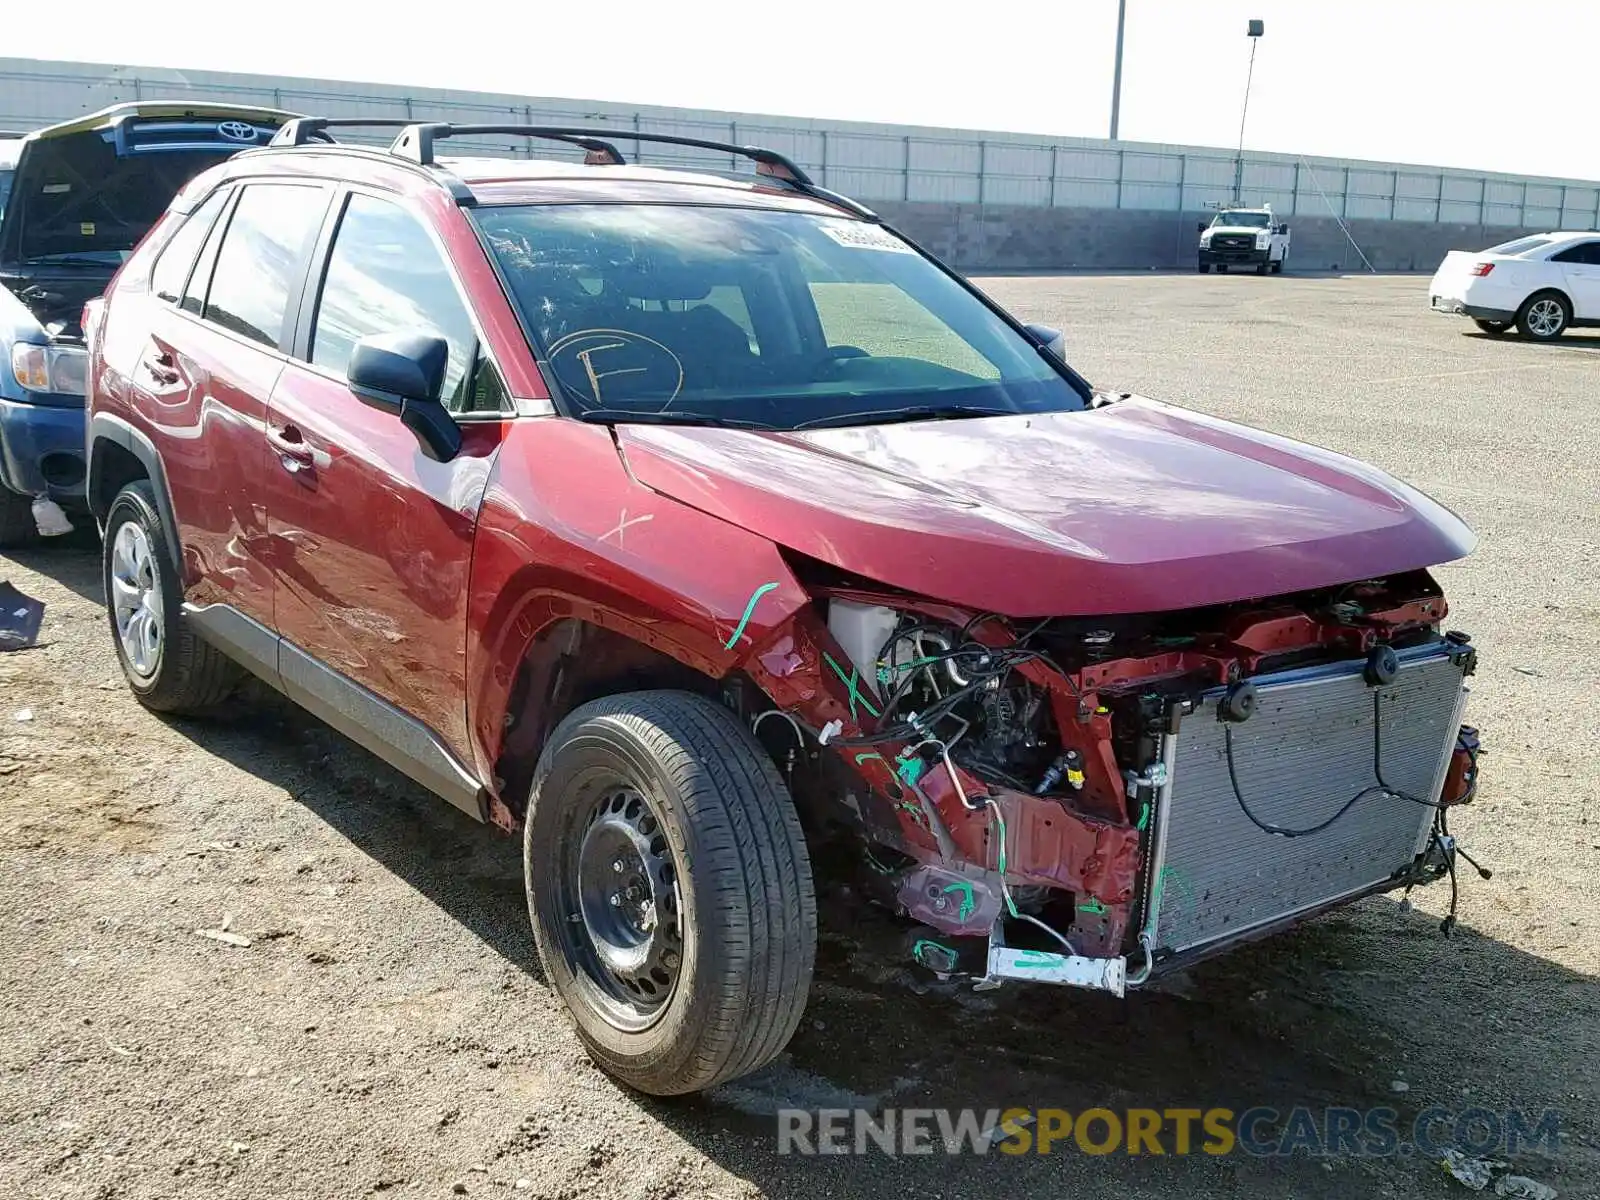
[177,256]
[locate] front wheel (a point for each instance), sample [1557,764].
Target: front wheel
[1277,265]
[1494,327]
[168,667]
[1205,268]
[670,890]
[1544,316]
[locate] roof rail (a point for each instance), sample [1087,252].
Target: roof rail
[314,129]
[416,143]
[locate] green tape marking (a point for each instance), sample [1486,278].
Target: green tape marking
[868,756]
[1036,960]
[749,611]
[1144,817]
[911,769]
[886,671]
[1175,879]
[851,681]
[967,902]
[915,812]
[1092,906]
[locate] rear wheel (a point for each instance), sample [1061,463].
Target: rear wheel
[1544,316]
[669,890]
[1492,326]
[168,667]
[17,526]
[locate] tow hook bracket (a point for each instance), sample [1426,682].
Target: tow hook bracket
[1045,966]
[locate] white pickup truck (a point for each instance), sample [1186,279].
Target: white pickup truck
[1238,237]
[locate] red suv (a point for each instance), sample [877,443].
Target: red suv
[690,522]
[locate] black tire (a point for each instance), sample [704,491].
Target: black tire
[1494,327]
[1530,317]
[17,526]
[1261,268]
[1205,268]
[1222,268]
[185,674]
[725,851]
[1277,267]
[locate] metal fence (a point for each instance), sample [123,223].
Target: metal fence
[875,162]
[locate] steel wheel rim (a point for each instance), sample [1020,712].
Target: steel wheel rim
[1545,317]
[137,606]
[623,926]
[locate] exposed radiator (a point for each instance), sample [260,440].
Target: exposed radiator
[1303,753]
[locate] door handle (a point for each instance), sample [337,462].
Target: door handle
[163,367]
[293,451]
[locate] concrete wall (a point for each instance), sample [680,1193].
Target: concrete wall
[1021,238]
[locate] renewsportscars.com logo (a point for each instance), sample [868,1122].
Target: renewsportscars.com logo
[1259,1132]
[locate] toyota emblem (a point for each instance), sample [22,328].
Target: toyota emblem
[237,131]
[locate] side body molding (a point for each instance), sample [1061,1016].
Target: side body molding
[365,718]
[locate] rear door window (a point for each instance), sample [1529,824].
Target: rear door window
[1584,253]
[385,275]
[262,260]
[172,268]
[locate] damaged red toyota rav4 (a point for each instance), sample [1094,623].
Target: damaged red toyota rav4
[688,521]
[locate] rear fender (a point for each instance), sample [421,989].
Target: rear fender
[106,429]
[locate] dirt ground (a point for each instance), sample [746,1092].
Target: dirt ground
[387,1030]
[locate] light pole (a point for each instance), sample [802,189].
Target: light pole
[1254,30]
[1116,72]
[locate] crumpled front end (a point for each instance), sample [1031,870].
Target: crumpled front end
[1092,802]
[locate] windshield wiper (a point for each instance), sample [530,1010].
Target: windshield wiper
[913,412]
[623,416]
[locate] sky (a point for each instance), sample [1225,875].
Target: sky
[1486,84]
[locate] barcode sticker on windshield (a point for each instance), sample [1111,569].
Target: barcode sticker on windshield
[863,235]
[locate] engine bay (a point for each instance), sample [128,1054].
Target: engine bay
[1018,772]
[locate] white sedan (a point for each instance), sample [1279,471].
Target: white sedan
[1543,284]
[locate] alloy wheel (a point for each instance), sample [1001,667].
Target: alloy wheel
[136,600]
[1546,317]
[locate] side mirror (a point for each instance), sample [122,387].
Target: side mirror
[1052,341]
[1283,229]
[1202,227]
[403,372]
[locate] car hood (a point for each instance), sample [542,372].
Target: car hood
[1131,507]
[1252,230]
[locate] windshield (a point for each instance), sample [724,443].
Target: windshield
[1237,218]
[756,317]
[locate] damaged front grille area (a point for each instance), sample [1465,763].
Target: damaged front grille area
[1347,811]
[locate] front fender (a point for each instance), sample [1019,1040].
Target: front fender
[566,532]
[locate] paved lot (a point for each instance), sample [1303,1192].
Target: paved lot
[386,1032]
